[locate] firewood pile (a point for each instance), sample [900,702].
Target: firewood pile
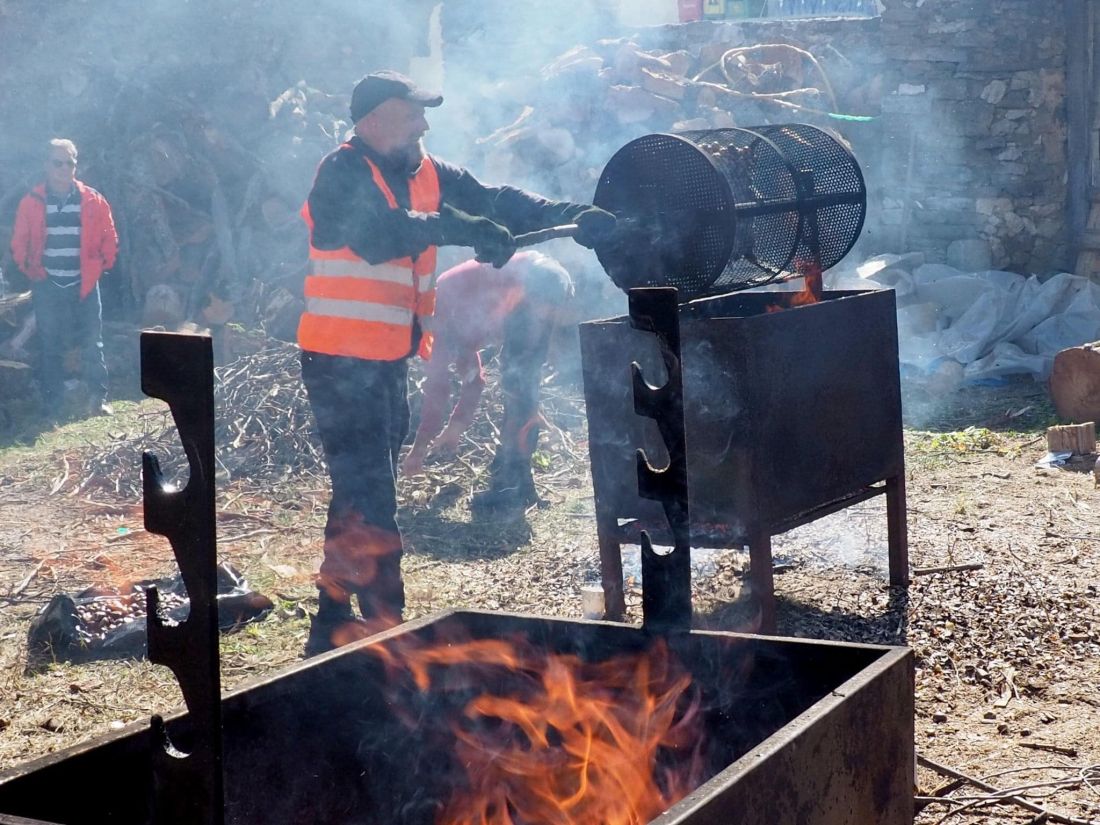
[264,437]
[15,331]
[263,431]
[591,100]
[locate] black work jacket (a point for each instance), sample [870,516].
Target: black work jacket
[348,209]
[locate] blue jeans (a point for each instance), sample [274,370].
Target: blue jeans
[65,322]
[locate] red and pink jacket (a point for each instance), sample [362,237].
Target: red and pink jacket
[98,238]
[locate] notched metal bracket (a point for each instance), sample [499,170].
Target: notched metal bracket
[187,774]
[666,578]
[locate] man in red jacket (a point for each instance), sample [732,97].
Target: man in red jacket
[63,240]
[517,307]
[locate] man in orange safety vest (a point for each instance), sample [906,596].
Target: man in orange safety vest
[378,209]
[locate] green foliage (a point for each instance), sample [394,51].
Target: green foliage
[972,439]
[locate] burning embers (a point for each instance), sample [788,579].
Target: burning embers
[541,737]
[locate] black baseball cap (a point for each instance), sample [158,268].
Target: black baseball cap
[378,87]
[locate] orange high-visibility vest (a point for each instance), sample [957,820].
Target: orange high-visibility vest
[366,310]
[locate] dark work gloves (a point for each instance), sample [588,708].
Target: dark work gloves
[495,244]
[492,243]
[594,225]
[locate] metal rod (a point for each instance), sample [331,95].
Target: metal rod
[809,202]
[188,787]
[565,230]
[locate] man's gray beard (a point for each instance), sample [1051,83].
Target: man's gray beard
[410,158]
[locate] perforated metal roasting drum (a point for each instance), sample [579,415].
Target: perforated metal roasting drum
[719,210]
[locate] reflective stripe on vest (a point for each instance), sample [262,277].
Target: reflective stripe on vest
[355,308]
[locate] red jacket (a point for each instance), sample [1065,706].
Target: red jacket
[98,238]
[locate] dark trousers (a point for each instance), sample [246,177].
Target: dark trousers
[362,414]
[65,322]
[527,332]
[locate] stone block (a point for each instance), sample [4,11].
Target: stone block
[907,104]
[951,26]
[992,206]
[977,39]
[946,54]
[994,91]
[1003,171]
[970,255]
[1024,80]
[971,119]
[950,89]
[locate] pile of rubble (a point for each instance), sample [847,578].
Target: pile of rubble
[591,100]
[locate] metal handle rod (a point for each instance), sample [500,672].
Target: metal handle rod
[805,204]
[565,230]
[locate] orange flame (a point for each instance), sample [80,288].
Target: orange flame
[811,291]
[589,743]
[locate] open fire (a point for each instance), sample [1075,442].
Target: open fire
[529,721]
[556,738]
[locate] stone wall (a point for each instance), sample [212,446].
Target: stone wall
[968,141]
[973,125]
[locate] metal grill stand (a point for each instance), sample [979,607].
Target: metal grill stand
[789,416]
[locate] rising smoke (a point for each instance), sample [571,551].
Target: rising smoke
[226,105]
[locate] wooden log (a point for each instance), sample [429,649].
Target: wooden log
[1079,439]
[948,568]
[164,306]
[1074,383]
[664,83]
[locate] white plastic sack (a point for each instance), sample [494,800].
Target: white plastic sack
[1007,359]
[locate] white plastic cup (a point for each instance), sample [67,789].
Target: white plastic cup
[592,605]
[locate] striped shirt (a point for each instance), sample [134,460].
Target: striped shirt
[61,257]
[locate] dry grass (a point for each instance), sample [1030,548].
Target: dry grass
[974,497]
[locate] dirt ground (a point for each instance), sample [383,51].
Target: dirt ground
[1008,672]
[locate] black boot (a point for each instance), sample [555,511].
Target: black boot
[383,602]
[332,614]
[511,489]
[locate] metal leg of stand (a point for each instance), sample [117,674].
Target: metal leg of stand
[897,530]
[611,570]
[761,577]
